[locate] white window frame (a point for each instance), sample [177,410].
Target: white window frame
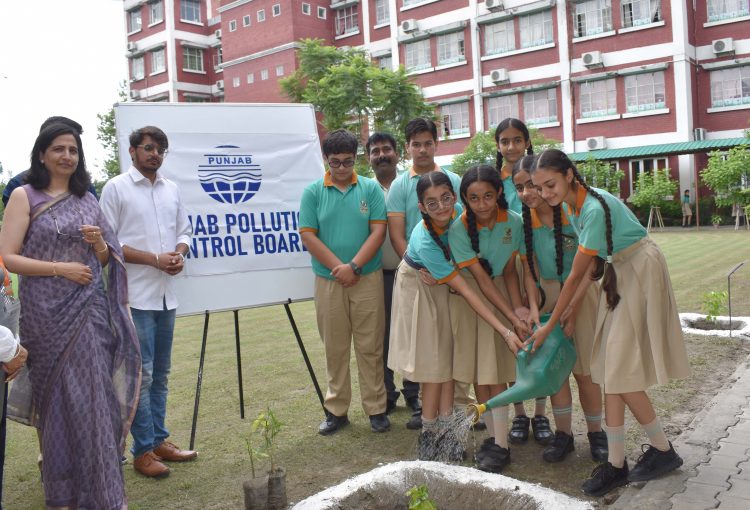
[382,12]
[322,12]
[263,74]
[455,118]
[192,55]
[408,3]
[499,37]
[247,20]
[158,61]
[347,20]
[190,11]
[720,10]
[639,165]
[276,10]
[500,108]
[280,70]
[597,98]
[538,97]
[155,12]
[592,17]
[414,54]
[250,78]
[261,15]
[135,18]
[638,13]
[138,68]
[536,29]
[385,62]
[306,9]
[232,25]
[235,81]
[730,87]
[644,91]
[451,48]
[218,57]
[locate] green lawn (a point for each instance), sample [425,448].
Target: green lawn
[275,374]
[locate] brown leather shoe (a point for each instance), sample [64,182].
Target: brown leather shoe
[172,453]
[149,465]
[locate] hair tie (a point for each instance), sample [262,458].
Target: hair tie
[609,259]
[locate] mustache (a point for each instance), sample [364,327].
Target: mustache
[383,159]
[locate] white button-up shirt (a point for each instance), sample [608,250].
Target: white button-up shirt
[148,217]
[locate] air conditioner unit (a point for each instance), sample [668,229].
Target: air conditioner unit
[494,5]
[408,25]
[218,33]
[595,143]
[132,46]
[220,84]
[499,76]
[722,46]
[592,59]
[699,134]
[135,94]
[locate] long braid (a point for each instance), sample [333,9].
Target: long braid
[435,236]
[528,236]
[499,162]
[557,222]
[471,221]
[610,278]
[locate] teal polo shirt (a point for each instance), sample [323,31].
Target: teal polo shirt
[423,250]
[545,250]
[497,245]
[509,190]
[342,219]
[590,224]
[402,197]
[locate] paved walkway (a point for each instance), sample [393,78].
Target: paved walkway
[716,451]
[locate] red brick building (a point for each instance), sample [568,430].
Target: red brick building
[613,76]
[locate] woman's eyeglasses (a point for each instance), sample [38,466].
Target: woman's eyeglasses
[63,235]
[446,200]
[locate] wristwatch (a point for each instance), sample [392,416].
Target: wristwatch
[357,270]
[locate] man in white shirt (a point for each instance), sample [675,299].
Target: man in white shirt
[146,213]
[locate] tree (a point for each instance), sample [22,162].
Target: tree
[107,134]
[482,149]
[601,174]
[726,173]
[653,189]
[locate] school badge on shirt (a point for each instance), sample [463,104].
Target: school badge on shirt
[363,207]
[569,243]
[508,237]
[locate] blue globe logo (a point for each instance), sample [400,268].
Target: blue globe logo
[228,176]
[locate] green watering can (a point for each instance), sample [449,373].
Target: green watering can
[537,375]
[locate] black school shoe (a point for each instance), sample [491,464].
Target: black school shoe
[560,447]
[380,423]
[605,478]
[482,451]
[427,445]
[332,424]
[415,422]
[542,431]
[519,430]
[654,463]
[495,459]
[598,446]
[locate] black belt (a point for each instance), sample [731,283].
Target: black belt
[410,262]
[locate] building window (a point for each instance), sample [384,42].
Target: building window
[276,10]
[598,98]
[502,107]
[455,119]
[306,9]
[246,20]
[639,166]
[540,106]
[322,13]
[134,20]
[592,17]
[280,70]
[536,29]
[138,68]
[190,10]
[236,81]
[727,9]
[645,92]
[382,13]
[233,25]
[158,64]
[347,20]
[261,15]
[412,2]
[192,59]
[730,87]
[385,62]
[264,74]
[250,78]
[499,38]
[640,12]
[196,99]
[218,57]
[450,48]
[156,12]
[418,55]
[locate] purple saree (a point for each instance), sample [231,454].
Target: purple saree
[83,355]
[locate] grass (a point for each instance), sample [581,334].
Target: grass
[275,374]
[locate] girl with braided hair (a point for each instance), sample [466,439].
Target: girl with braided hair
[421,338]
[484,244]
[550,243]
[638,340]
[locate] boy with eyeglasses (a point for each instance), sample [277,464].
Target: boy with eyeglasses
[342,224]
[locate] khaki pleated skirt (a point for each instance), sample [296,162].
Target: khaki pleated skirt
[583,338]
[639,343]
[421,342]
[480,355]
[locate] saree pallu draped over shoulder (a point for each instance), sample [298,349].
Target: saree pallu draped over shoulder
[84,356]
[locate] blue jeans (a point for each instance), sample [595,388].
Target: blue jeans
[155,329]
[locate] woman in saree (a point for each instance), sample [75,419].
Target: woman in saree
[84,358]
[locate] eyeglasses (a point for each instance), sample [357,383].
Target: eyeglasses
[335,163]
[151,148]
[446,200]
[63,235]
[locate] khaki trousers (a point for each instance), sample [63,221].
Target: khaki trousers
[352,313]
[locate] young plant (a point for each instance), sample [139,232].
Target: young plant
[714,303]
[256,454]
[419,498]
[268,426]
[715,219]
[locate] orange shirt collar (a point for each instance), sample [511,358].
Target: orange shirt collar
[505,172]
[502,217]
[442,230]
[580,198]
[536,222]
[327,181]
[412,173]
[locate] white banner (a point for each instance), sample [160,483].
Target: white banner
[241,170]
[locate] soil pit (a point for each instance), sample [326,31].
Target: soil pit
[451,487]
[697,324]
